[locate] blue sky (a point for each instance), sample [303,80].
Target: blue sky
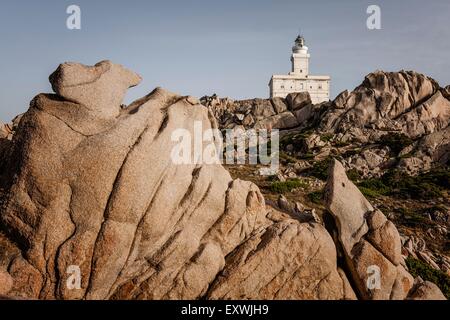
[226,47]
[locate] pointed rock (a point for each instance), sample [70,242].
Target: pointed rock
[348,206]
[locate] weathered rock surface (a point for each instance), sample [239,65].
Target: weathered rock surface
[361,125]
[6,283]
[389,101]
[371,244]
[275,113]
[255,270]
[5,130]
[90,188]
[432,149]
[414,246]
[349,207]
[384,236]
[283,120]
[425,290]
[298,100]
[100,88]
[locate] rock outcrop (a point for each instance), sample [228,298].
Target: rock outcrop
[430,150]
[370,243]
[407,102]
[393,120]
[274,113]
[94,207]
[426,290]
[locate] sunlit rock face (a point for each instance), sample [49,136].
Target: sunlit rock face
[89,191]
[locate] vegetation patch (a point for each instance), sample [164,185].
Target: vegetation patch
[287,186]
[316,197]
[426,186]
[353,175]
[418,268]
[320,169]
[429,185]
[413,218]
[373,188]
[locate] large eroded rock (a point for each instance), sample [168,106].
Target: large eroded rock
[94,207]
[370,243]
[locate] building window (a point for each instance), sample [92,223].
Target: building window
[282,87]
[320,86]
[301,71]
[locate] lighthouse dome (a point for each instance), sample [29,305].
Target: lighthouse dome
[300,46]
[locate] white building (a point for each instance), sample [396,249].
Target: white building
[299,79]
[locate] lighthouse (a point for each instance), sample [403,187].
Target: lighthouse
[300,58]
[299,79]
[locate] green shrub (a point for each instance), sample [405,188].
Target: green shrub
[369,193]
[353,175]
[287,186]
[424,186]
[320,169]
[413,218]
[316,197]
[418,268]
[395,141]
[396,183]
[373,188]
[420,190]
[439,177]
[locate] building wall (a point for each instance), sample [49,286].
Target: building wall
[319,89]
[300,64]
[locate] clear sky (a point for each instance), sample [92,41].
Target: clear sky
[227,47]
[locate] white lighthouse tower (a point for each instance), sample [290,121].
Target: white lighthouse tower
[300,57]
[299,79]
